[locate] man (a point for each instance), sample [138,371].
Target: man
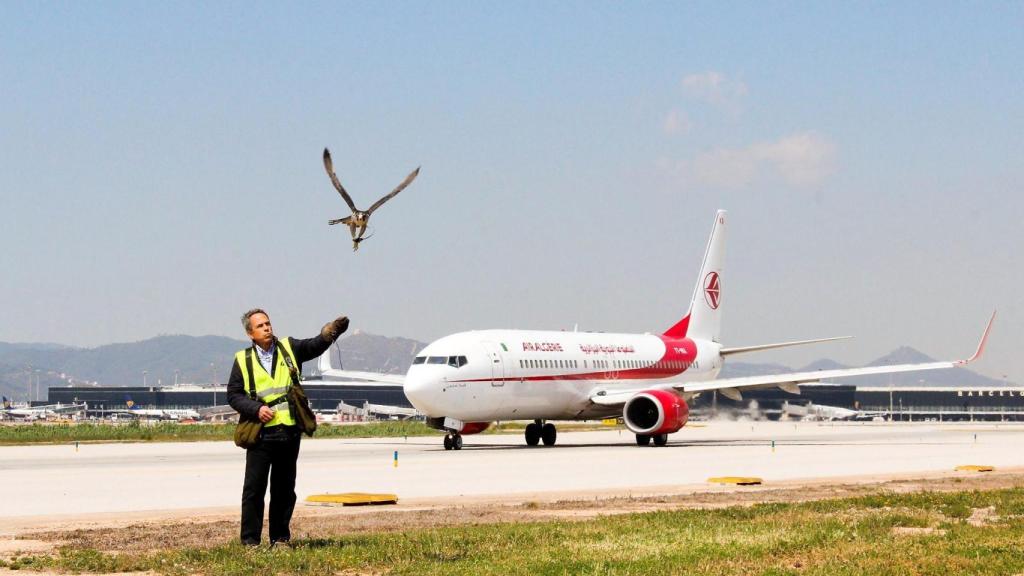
[263,371]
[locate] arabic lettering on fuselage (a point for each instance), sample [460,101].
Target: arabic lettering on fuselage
[603,349]
[542,347]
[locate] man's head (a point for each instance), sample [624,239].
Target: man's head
[257,326]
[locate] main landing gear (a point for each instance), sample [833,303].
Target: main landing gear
[453,441]
[538,431]
[645,439]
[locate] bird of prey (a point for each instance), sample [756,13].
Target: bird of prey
[359,218]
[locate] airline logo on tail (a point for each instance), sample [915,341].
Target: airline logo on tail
[7,403]
[712,290]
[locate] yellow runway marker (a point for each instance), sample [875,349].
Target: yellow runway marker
[974,468]
[353,499]
[738,480]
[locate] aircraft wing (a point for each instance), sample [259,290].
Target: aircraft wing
[730,387]
[791,379]
[357,376]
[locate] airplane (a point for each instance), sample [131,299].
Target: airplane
[328,372]
[812,411]
[156,413]
[29,413]
[465,381]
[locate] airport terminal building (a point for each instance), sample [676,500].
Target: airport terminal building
[901,403]
[323,395]
[893,403]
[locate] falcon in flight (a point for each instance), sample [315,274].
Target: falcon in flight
[359,218]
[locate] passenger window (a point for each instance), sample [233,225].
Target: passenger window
[419,360]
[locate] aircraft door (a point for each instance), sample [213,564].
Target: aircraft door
[494,355]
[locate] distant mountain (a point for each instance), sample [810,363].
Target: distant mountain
[201,359]
[734,369]
[823,364]
[372,353]
[902,355]
[206,359]
[155,361]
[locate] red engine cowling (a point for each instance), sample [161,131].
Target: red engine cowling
[474,428]
[655,412]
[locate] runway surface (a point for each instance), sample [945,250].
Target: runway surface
[113,478]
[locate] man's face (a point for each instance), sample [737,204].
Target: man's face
[260,330]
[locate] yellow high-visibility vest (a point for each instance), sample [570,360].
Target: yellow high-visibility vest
[270,388]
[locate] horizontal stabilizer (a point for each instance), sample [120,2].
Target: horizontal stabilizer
[742,349]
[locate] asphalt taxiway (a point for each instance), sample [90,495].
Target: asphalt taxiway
[116,479]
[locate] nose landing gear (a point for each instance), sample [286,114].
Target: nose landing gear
[453,441]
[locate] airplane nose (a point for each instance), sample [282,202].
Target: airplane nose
[420,390]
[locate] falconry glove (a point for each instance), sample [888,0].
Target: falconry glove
[335,328]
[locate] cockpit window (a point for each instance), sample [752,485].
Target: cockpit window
[437,359]
[457,361]
[419,360]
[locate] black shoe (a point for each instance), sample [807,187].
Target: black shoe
[282,544]
[250,543]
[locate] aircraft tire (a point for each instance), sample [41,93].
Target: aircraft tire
[549,434]
[643,440]
[660,439]
[457,442]
[532,434]
[447,442]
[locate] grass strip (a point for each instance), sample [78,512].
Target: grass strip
[852,536]
[139,431]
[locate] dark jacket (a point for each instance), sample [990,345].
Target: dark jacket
[238,396]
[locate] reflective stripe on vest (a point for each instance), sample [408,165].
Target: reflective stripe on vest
[270,388]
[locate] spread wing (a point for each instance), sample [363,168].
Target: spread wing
[731,387]
[334,180]
[408,180]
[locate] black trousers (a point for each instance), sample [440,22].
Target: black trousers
[273,458]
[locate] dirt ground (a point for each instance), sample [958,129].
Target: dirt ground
[154,531]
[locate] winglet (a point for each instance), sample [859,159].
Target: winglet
[981,344]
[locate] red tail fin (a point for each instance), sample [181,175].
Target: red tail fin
[679,329]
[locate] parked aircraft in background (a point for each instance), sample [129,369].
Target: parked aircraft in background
[811,411]
[26,412]
[465,381]
[133,411]
[329,372]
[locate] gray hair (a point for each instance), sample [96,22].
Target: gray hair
[249,314]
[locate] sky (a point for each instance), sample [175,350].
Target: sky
[160,169]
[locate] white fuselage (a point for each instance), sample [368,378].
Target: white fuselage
[488,375]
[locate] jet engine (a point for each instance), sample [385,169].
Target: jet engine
[655,412]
